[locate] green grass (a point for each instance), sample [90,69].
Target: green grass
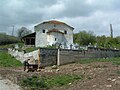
[115,61]
[30,49]
[7,61]
[61,80]
[35,82]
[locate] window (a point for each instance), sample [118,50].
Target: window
[55,39]
[54,25]
[43,31]
[65,32]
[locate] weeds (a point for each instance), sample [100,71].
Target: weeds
[36,82]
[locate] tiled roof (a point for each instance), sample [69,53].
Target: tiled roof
[30,35]
[54,30]
[54,22]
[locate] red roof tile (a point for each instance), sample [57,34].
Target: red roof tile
[54,22]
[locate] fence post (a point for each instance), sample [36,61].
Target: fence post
[58,57]
[38,59]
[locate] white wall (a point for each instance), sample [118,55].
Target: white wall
[21,56]
[42,38]
[51,38]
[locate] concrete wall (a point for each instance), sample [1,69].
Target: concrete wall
[67,56]
[64,56]
[48,56]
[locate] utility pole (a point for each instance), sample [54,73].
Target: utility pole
[13,30]
[111,31]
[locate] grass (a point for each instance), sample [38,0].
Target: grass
[115,61]
[35,82]
[7,61]
[30,49]
[62,80]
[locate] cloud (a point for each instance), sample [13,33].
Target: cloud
[98,22]
[95,15]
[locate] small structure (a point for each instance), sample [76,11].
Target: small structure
[50,33]
[29,40]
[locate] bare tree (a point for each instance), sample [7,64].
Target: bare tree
[23,31]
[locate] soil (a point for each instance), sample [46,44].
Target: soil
[96,76]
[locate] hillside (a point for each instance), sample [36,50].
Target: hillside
[7,61]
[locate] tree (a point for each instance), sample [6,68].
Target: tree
[101,41]
[108,42]
[7,39]
[23,31]
[84,38]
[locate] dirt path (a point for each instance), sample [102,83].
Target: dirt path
[97,76]
[6,84]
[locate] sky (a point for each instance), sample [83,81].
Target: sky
[88,15]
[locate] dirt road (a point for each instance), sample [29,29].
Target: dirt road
[6,84]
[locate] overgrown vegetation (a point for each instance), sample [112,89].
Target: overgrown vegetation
[37,83]
[7,61]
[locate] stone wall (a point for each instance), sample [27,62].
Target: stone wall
[23,56]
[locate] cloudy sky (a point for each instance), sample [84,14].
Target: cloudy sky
[89,15]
